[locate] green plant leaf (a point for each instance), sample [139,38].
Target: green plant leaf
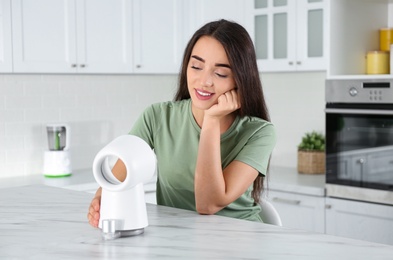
[312,141]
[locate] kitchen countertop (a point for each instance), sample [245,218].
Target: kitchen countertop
[43,222]
[289,180]
[82,180]
[280,178]
[81,177]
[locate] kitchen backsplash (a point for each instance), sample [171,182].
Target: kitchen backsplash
[97,107]
[100,107]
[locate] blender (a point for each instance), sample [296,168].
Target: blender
[57,161]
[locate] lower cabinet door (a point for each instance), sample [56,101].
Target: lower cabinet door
[359,220]
[299,211]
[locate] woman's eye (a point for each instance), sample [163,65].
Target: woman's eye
[221,75]
[195,67]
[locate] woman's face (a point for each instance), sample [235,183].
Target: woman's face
[209,74]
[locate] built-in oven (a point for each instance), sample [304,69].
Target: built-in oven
[359,139]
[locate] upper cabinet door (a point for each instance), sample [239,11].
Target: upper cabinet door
[275,34]
[312,20]
[44,35]
[104,36]
[72,36]
[204,11]
[158,34]
[5,36]
[290,35]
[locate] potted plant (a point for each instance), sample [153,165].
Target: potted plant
[311,154]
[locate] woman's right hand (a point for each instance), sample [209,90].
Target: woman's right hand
[94,211]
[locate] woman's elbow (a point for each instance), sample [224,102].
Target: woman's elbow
[207,209]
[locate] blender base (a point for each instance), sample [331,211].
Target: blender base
[57,164]
[57,175]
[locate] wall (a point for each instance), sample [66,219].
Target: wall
[101,107]
[296,102]
[98,108]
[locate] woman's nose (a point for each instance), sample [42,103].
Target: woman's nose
[207,79]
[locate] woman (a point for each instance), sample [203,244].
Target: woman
[213,143]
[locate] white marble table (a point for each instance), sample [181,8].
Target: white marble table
[42,222]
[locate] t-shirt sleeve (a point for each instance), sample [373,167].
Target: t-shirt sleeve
[144,126]
[258,149]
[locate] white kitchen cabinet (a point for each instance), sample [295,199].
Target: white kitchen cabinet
[44,37]
[158,35]
[5,37]
[299,211]
[359,220]
[290,35]
[103,36]
[71,36]
[160,38]
[204,11]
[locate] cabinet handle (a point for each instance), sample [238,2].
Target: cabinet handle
[82,65]
[299,63]
[290,63]
[138,66]
[73,65]
[361,161]
[287,201]
[328,206]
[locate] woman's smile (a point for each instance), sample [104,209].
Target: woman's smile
[203,95]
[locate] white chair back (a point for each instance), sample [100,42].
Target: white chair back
[269,213]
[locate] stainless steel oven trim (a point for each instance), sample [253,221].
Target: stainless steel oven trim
[359,193]
[358,111]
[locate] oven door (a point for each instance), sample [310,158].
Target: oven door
[359,152]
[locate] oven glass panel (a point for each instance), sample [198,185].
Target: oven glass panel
[359,150]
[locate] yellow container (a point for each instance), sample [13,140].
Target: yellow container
[385,39]
[378,62]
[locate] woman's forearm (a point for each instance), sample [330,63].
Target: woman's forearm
[209,179]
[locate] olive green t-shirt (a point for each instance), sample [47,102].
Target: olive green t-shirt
[171,130]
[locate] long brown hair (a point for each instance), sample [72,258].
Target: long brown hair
[241,55]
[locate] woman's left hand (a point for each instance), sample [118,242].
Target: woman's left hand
[226,104]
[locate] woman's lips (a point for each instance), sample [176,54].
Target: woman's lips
[203,95]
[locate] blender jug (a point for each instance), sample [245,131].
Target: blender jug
[57,137]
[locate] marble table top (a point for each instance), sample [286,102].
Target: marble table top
[43,222]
